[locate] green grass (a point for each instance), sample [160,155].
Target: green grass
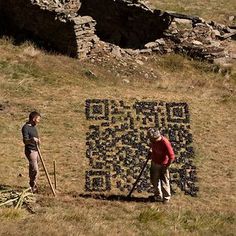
[57,86]
[186,222]
[210,10]
[151,215]
[11,214]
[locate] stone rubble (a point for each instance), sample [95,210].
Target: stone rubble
[200,40]
[188,35]
[59,5]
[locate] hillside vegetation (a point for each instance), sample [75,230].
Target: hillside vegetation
[58,86]
[219,11]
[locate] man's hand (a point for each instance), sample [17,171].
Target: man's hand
[165,167]
[36,140]
[149,153]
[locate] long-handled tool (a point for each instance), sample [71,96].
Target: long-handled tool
[55,174]
[46,172]
[144,166]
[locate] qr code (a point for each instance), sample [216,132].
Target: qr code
[117,144]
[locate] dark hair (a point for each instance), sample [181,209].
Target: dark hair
[33,114]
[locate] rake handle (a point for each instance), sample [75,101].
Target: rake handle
[45,170]
[144,166]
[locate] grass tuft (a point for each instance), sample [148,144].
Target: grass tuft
[151,215]
[10,214]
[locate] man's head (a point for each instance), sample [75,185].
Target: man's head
[154,134]
[34,117]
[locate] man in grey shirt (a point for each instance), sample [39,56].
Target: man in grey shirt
[31,140]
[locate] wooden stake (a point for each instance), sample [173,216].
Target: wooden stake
[55,174]
[46,172]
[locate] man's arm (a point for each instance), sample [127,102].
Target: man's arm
[26,139]
[170,153]
[150,146]
[32,140]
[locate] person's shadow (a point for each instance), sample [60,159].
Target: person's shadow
[114,197]
[9,188]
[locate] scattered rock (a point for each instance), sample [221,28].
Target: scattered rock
[151,45]
[76,34]
[231,18]
[116,51]
[132,52]
[146,51]
[161,41]
[216,33]
[195,42]
[139,62]
[187,23]
[233,55]
[126,81]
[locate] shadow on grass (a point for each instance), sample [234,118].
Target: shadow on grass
[4,187]
[121,198]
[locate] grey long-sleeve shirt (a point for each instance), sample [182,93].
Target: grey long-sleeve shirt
[29,132]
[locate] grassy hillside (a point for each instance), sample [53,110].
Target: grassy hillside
[57,86]
[219,11]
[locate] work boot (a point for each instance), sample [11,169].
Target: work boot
[155,198]
[34,189]
[158,199]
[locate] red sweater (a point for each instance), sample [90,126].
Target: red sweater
[162,152]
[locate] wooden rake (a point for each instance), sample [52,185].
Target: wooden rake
[136,182]
[45,170]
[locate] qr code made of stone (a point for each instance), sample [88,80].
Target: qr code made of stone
[117,145]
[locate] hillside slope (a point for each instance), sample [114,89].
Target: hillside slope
[58,86]
[219,11]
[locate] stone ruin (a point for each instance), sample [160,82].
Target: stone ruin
[52,27]
[74,28]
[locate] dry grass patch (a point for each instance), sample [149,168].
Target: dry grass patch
[11,214]
[58,86]
[208,9]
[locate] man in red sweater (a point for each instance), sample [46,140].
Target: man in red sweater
[162,156]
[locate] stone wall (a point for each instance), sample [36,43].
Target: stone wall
[86,38]
[72,27]
[24,19]
[124,23]
[55,31]
[60,5]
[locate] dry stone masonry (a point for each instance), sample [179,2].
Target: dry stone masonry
[59,5]
[73,27]
[69,34]
[195,37]
[126,23]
